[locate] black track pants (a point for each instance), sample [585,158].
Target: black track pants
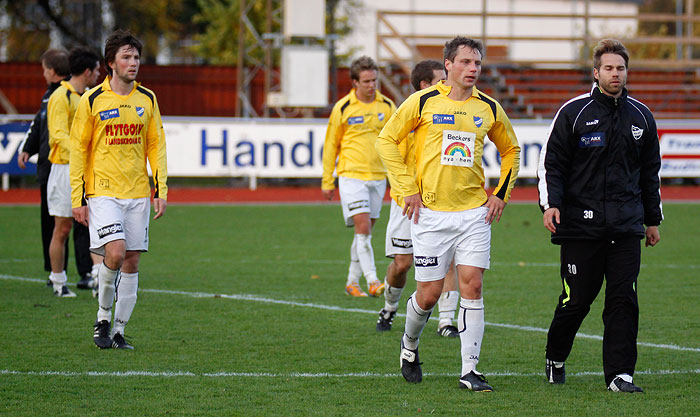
[583,265]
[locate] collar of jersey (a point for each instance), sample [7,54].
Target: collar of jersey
[353,97]
[69,86]
[107,87]
[445,90]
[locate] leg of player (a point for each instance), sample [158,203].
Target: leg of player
[365,253]
[352,285]
[126,294]
[115,253]
[394,283]
[418,309]
[57,252]
[471,327]
[447,304]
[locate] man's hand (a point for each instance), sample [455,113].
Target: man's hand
[495,206]
[80,215]
[411,206]
[328,194]
[22,159]
[653,236]
[159,205]
[551,215]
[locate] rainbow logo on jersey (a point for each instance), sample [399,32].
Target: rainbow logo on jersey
[457,148]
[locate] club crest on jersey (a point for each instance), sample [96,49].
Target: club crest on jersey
[357,120]
[139,111]
[592,140]
[443,119]
[380,116]
[478,121]
[637,132]
[109,114]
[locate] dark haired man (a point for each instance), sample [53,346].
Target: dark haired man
[598,186]
[85,68]
[398,245]
[446,199]
[120,121]
[353,126]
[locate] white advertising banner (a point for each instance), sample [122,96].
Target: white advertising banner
[286,149]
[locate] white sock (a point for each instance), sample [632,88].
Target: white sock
[416,318]
[355,271]
[95,270]
[447,305]
[127,288]
[366,256]
[106,278]
[470,324]
[58,280]
[391,296]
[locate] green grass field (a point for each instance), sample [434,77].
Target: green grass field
[241,311]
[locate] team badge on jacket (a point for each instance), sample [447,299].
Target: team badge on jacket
[637,132]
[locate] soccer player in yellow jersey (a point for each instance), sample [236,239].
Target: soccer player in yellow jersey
[398,231]
[118,127]
[353,127]
[446,199]
[85,68]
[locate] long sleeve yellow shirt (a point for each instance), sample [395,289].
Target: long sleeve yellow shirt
[59,115]
[352,131]
[449,144]
[111,139]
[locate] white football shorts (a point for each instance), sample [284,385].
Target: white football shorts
[440,236]
[58,191]
[359,196]
[398,233]
[118,219]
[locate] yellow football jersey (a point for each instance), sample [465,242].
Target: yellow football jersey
[449,144]
[111,139]
[352,131]
[59,115]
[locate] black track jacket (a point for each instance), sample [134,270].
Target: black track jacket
[37,138]
[600,168]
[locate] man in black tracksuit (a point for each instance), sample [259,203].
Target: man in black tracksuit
[599,187]
[56,69]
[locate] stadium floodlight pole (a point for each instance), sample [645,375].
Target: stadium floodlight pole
[239,61]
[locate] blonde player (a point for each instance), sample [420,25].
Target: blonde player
[353,126]
[398,243]
[117,128]
[446,199]
[84,68]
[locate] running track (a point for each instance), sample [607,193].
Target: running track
[525,194]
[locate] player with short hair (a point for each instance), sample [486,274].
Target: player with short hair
[446,198]
[398,245]
[353,126]
[84,68]
[117,129]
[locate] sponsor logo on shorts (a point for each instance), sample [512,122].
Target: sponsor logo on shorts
[358,120]
[110,230]
[139,111]
[355,205]
[425,261]
[592,140]
[109,114]
[401,243]
[443,119]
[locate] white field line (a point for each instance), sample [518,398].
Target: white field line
[248,297]
[177,374]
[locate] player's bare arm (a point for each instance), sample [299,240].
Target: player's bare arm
[80,214]
[159,206]
[551,215]
[412,205]
[496,207]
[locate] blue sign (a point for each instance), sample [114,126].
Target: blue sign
[11,137]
